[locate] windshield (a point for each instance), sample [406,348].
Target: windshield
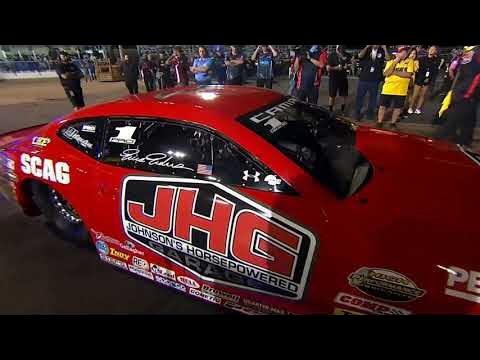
[318,142]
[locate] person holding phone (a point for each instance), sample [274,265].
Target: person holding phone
[372,62]
[264,55]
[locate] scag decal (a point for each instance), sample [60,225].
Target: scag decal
[385,284]
[370,306]
[218,234]
[45,169]
[40,141]
[463,284]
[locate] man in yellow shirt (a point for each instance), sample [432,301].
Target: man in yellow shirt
[395,88]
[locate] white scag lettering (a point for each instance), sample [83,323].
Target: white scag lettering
[45,169]
[463,284]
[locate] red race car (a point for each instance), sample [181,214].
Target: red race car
[258,202]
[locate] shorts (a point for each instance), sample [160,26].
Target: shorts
[337,86]
[75,96]
[395,101]
[422,81]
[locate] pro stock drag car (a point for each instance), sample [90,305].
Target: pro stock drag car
[252,200]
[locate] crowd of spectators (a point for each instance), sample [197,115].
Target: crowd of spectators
[398,79]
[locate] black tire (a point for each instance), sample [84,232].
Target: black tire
[65,222]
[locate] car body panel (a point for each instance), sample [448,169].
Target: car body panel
[405,243]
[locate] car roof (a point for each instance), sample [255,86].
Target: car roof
[188,103]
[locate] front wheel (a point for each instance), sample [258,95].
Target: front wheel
[61,214]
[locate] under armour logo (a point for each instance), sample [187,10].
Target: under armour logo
[256,177]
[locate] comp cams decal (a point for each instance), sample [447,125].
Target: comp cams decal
[463,284]
[46,169]
[385,284]
[218,234]
[367,305]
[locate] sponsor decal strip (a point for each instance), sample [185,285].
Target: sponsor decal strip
[211,257]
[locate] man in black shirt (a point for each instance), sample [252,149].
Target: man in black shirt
[338,81]
[130,73]
[427,72]
[372,62]
[305,66]
[70,75]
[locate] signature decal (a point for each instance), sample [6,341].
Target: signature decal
[158,159]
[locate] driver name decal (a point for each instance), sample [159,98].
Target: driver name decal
[218,234]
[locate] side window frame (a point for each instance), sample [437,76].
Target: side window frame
[160,121]
[289,190]
[100,124]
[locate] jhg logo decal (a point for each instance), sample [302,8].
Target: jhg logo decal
[218,234]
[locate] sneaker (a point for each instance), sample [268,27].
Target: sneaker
[418,112]
[410,111]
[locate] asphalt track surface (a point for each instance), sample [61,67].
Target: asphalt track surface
[40,273]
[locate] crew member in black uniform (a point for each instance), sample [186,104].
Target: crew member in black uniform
[70,76]
[458,121]
[129,71]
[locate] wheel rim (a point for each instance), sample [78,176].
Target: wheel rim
[64,208]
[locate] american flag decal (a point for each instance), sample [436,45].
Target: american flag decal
[204,169]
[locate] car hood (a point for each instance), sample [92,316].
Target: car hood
[17,136]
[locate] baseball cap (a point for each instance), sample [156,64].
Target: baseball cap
[64,53]
[402,47]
